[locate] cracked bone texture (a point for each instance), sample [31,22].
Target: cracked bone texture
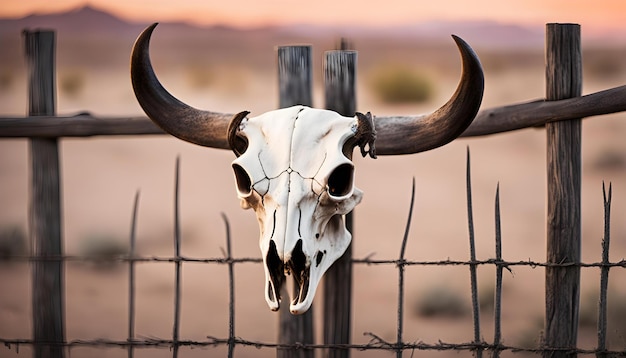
[296,177]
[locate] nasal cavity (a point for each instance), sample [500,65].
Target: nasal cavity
[340,180]
[276,269]
[244,183]
[298,259]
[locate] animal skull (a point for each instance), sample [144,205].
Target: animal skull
[294,167]
[297,178]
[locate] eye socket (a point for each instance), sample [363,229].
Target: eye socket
[340,180]
[244,183]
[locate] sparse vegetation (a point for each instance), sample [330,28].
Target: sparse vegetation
[616,307]
[610,159]
[6,80]
[72,83]
[199,76]
[588,314]
[103,250]
[604,64]
[441,302]
[531,336]
[13,242]
[399,84]
[487,297]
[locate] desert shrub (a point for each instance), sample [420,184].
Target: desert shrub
[72,83]
[531,336]
[609,159]
[487,296]
[440,302]
[616,316]
[6,80]
[199,76]
[616,310]
[399,84]
[603,64]
[104,251]
[13,242]
[588,312]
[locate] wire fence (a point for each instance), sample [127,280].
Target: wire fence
[477,347]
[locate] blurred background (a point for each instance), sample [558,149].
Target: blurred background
[222,57]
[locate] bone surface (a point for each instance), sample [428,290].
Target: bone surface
[295,176]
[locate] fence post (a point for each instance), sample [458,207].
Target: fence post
[45,204]
[339,88]
[295,86]
[563,80]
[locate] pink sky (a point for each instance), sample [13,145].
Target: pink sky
[598,15]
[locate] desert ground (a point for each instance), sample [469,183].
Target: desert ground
[100,177]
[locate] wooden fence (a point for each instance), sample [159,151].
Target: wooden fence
[561,113]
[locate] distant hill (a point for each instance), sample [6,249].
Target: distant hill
[91,37]
[93,34]
[86,20]
[90,21]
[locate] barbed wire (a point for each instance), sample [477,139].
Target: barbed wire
[375,343]
[366,261]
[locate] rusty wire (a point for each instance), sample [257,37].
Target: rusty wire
[367,260]
[375,343]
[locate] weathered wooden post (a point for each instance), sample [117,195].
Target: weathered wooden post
[295,87]
[563,80]
[45,203]
[340,94]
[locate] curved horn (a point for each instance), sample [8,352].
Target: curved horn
[407,135]
[204,128]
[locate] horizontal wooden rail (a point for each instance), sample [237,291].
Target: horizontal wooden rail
[81,125]
[488,121]
[524,115]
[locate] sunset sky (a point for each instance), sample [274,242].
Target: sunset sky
[596,16]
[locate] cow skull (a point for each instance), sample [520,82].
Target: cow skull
[294,167]
[297,176]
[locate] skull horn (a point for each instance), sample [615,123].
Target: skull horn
[209,129]
[407,135]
